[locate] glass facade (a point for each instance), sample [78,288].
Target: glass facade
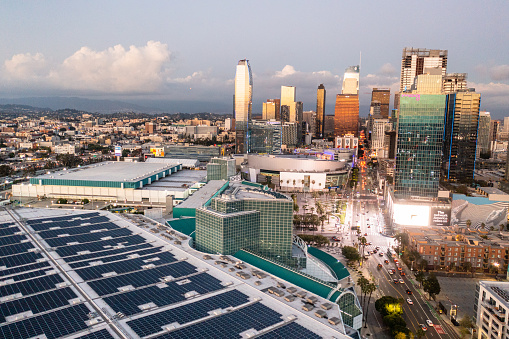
[383,96]
[460,139]
[346,115]
[419,145]
[243,103]
[220,169]
[320,111]
[263,225]
[265,137]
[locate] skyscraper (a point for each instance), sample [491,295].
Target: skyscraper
[483,135]
[415,60]
[346,111]
[419,144]
[320,112]
[288,94]
[272,109]
[454,82]
[243,105]
[383,96]
[460,137]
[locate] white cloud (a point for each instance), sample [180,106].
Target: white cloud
[114,70]
[387,69]
[286,71]
[500,72]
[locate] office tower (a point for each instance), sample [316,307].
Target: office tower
[276,103]
[285,113]
[266,137]
[269,111]
[460,137]
[483,135]
[378,137]
[346,111]
[455,82]
[288,95]
[229,124]
[246,217]
[430,82]
[290,134]
[328,128]
[310,119]
[150,127]
[419,145]
[351,80]
[221,169]
[243,105]
[391,141]
[318,131]
[383,97]
[415,60]
[346,115]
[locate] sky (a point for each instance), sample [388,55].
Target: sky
[168,51]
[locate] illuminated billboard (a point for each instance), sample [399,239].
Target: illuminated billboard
[411,215]
[118,151]
[440,216]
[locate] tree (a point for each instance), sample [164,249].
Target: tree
[50,165]
[85,201]
[5,170]
[400,335]
[469,223]
[350,253]
[69,160]
[388,305]
[362,243]
[370,288]
[394,320]
[362,282]
[431,286]
[419,276]
[420,333]
[314,194]
[125,153]
[403,239]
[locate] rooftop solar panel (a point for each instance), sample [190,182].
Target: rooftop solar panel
[20,259]
[8,231]
[13,239]
[54,325]
[106,253]
[87,238]
[102,334]
[78,230]
[25,268]
[32,286]
[15,249]
[292,330]
[62,218]
[29,275]
[123,256]
[65,251]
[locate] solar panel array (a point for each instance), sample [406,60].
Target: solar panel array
[145,286]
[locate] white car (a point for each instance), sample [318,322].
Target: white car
[429,322]
[390,272]
[409,301]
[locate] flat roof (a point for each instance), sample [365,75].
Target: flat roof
[201,196]
[492,190]
[109,171]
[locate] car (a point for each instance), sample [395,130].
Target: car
[401,281]
[381,254]
[379,266]
[390,272]
[335,238]
[402,273]
[369,226]
[423,327]
[365,234]
[378,247]
[409,292]
[375,251]
[409,301]
[396,281]
[429,322]
[399,268]
[386,261]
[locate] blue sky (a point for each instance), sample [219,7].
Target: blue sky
[187,50]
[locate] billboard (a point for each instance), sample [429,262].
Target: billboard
[411,215]
[440,216]
[118,151]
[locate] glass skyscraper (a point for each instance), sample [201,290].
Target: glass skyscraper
[460,138]
[243,105]
[419,145]
[320,112]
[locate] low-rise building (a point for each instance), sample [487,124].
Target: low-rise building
[492,309]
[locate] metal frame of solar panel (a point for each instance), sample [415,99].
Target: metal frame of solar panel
[292,330]
[54,324]
[128,302]
[8,231]
[147,277]
[123,256]
[153,323]
[37,303]
[124,266]
[102,334]
[231,324]
[86,229]
[107,253]
[69,250]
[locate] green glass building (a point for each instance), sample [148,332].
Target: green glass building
[247,218]
[419,145]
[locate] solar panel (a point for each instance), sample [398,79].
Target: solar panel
[13,239]
[31,286]
[122,256]
[25,268]
[87,238]
[66,251]
[29,275]
[15,249]
[184,314]
[230,325]
[8,231]
[292,330]
[107,253]
[54,325]
[78,230]
[20,259]
[102,334]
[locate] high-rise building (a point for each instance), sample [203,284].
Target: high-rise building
[494,127]
[455,82]
[346,111]
[309,117]
[243,105]
[150,127]
[483,134]
[346,115]
[269,111]
[266,137]
[221,169]
[419,145]
[288,95]
[383,97]
[415,60]
[460,137]
[328,128]
[320,112]
[285,113]
[351,80]
[379,141]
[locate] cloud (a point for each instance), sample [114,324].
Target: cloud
[114,70]
[286,71]
[499,73]
[387,69]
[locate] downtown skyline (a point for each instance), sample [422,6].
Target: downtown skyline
[154,55]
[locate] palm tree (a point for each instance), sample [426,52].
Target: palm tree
[370,288]
[362,242]
[362,282]
[322,218]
